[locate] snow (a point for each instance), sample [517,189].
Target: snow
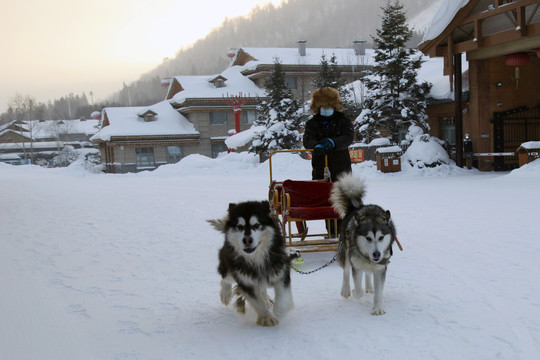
[243,138]
[125,121]
[426,150]
[421,21]
[530,145]
[447,11]
[389,149]
[103,266]
[432,70]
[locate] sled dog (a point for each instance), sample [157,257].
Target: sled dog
[367,234]
[253,257]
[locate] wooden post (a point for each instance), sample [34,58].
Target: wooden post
[458,112]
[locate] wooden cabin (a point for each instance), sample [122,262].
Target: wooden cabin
[500,40]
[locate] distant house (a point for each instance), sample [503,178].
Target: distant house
[203,101]
[497,100]
[301,64]
[133,139]
[39,141]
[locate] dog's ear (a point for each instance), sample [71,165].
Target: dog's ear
[387,215]
[231,206]
[266,206]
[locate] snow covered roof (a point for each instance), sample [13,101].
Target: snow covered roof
[202,87]
[432,70]
[243,138]
[290,56]
[125,121]
[44,129]
[447,11]
[389,149]
[531,145]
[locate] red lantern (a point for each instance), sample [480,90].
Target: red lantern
[517,60]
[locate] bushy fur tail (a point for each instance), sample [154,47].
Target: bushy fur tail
[219,224]
[347,194]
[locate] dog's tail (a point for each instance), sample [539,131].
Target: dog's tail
[347,194]
[219,224]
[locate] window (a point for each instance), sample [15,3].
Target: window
[249,116]
[290,82]
[218,148]
[174,154]
[448,130]
[218,118]
[145,157]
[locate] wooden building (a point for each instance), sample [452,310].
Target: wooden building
[500,40]
[133,139]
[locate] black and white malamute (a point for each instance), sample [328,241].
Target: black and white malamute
[253,256]
[368,234]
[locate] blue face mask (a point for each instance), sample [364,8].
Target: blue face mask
[327,112]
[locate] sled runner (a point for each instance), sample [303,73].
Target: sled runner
[295,202]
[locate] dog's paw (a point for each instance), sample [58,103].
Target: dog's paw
[358,293]
[369,290]
[240,305]
[226,293]
[377,311]
[345,292]
[283,305]
[267,321]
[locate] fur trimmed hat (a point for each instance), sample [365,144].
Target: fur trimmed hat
[325,97]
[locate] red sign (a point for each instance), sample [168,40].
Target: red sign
[357,155]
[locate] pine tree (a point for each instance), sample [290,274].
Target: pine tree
[394,99]
[329,75]
[279,115]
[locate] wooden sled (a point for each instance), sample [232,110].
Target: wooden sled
[300,201]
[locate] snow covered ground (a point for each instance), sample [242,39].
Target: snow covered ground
[96,266]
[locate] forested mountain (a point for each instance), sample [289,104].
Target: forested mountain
[322,23]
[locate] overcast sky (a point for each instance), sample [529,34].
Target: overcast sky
[54,47]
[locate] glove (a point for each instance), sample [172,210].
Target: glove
[328,144]
[319,150]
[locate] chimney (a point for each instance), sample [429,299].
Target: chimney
[302,47]
[359,47]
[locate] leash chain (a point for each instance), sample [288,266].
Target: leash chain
[340,245]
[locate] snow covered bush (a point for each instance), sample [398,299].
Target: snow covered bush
[426,151]
[68,155]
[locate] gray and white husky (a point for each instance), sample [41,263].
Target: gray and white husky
[367,234]
[253,256]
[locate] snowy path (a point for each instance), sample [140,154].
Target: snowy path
[124,267]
